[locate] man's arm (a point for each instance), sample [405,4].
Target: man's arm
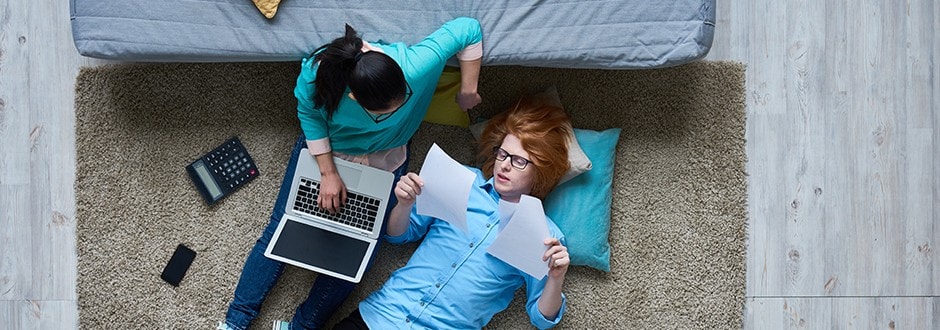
[406,190]
[545,301]
[551,300]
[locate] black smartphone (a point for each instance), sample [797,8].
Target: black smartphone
[179,263]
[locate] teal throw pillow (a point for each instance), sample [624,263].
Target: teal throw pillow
[581,206]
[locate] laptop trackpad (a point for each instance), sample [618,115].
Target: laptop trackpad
[320,248]
[350,176]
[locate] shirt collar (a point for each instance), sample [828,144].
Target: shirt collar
[490,189]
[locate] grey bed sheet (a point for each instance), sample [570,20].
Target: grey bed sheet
[606,34]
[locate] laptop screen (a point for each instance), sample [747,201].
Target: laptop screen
[320,248]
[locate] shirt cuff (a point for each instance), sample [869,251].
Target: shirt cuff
[397,240]
[543,323]
[472,52]
[319,146]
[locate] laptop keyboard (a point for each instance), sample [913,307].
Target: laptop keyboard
[360,211]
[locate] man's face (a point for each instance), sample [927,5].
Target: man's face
[510,181]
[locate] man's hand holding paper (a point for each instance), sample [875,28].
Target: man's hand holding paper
[521,243]
[446,188]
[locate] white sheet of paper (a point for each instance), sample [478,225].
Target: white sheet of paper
[446,188]
[521,243]
[506,210]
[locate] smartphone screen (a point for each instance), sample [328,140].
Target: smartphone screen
[179,263]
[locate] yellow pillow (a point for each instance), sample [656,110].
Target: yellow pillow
[443,109]
[267,7]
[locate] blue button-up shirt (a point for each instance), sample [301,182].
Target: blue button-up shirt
[450,282]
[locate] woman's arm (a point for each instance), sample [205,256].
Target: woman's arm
[461,36]
[312,119]
[332,189]
[468,97]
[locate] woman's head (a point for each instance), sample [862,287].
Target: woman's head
[374,79]
[525,149]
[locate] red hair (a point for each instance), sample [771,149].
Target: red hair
[542,129]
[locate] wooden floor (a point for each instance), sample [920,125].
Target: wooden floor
[843,142]
[843,145]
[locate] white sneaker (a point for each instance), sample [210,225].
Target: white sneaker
[223,326]
[281,325]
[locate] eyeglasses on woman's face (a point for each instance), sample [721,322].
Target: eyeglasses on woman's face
[378,118]
[517,161]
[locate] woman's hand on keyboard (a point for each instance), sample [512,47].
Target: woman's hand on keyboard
[332,192]
[408,188]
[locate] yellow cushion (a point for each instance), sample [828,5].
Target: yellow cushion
[267,7]
[444,108]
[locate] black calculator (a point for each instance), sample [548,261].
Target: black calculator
[222,171]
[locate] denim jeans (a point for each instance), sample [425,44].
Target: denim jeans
[261,273]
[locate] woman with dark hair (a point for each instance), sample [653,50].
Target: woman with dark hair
[451,282]
[361,102]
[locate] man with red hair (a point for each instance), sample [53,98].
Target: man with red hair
[451,282]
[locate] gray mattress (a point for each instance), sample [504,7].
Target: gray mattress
[625,34]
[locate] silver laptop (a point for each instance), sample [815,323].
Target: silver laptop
[338,244]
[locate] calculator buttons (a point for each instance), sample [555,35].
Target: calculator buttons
[231,167]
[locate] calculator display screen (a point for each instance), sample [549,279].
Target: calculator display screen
[207,180]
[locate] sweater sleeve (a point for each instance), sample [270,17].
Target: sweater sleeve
[312,120]
[461,36]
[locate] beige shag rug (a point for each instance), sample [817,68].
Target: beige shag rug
[679,213]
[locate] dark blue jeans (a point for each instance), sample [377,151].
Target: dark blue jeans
[261,273]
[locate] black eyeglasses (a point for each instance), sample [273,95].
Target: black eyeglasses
[517,161]
[382,117]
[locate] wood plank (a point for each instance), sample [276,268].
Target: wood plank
[15,258]
[839,173]
[842,313]
[766,55]
[884,313]
[935,115]
[804,161]
[787,313]
[766,244]
[920,184]
[39,314]
[766,107]
[876,270]
[14,97]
